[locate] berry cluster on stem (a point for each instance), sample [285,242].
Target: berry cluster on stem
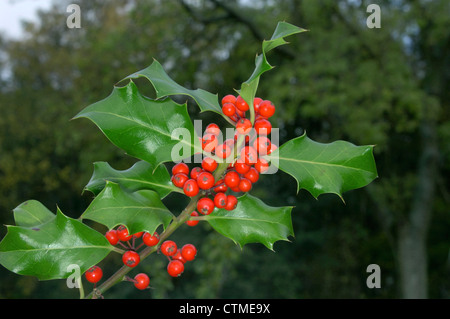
[210,185]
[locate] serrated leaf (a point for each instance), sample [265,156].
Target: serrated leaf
[32,213]
[252,221]
[248,88]
[143,127]
[47,251]
[166,86]
[139,211]
[326,168]
[142,175]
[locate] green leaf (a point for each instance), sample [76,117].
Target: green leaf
[252,221]
[48,250]
[144,128]
[165,86]
[141,175]
[249,87]
[138,211]
[32,213]
[326,168]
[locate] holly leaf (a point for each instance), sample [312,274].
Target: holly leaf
[139,211]
[166,86]
[32,213]
[47,250]
[142,175]
[249,87]
[326,168]
[155,131]
[252,221]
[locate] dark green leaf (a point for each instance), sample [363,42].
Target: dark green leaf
[249,87]
[326,168]
[32,213]
[141,175]
[165,86]
[46,251]
[138,211]
[144,128]
[252,221]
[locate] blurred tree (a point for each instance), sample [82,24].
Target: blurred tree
[385,86]
[340,80]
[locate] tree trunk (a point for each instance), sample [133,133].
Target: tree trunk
[412,255]
[412,233]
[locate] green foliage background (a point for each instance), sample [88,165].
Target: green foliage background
[340,80]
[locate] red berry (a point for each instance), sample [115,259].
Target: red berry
[223,151]
[112,237]
[266,109]
[263,127]
[141,281]
[220,200]
[131,258]
[236,189]
[205,180]
[122,233]
[245,185]
[243,126]
[209,164]
[248,155]
[180,168]
[151,240]
[228,109]
[261,165]
[209,142]
[241,168]
[195,171]
[190,188]
[235,117]
[228,99]
[94,274]
[138,235]
[273,147]
[179,179]
[213,128]
[231,202]
[178,256]
[262,145]
[252,175]
[188,252]
[169,248]
[192,222]
[175,268]
[220,186]
[205,206]
[241,104]
[240,113]
[256,102]
[231,179]
[247,140]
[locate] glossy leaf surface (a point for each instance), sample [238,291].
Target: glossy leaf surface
[253,221]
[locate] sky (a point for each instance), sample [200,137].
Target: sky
[13,11]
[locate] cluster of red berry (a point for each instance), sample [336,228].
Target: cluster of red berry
[242,171]
[95,273]
[130,257]
[177,256]
[236,107]
[201,178]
